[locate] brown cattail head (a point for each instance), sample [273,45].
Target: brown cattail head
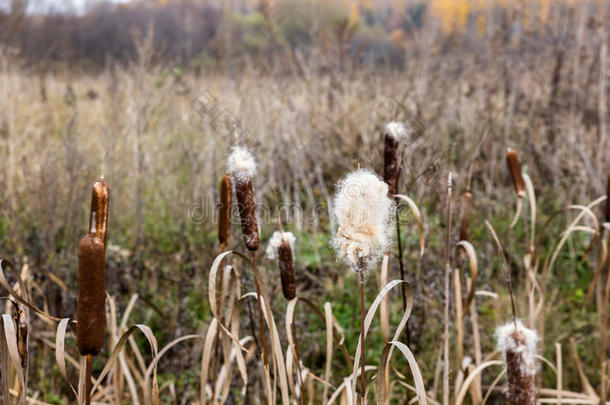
[394,132]
[608,199]
[91,306]
[466,210]
[284,253]
[243,167]
[247,214]
[224,210]
[518,347]
[514,166]
[100,199]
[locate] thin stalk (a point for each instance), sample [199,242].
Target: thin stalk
[604,334]
[447,275]
[362,361]
[260,317]
[88,379]
[400,262]
[403,287]
[402,274]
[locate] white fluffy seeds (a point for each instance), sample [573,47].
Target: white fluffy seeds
[528,347]
[396,130]
[241,164]
[363,213]
[276,241]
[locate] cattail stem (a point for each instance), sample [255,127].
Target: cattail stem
[604,331]
[362,345]
[89,365]
[260,317]
[400,262]
[447,275]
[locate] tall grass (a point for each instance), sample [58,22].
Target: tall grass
[308,126]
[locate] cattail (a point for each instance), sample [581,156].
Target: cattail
[518,346]
[91,307]
[363,212]
[281,246]
[466,209]
[394,133]
[515,172]
[224,210]
[608,199]
[243,168]
[100,198]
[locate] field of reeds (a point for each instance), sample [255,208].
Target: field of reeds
[255,234]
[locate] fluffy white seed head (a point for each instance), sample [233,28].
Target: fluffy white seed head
[241,164]
[396,130]
[522,341]
[276,241]
[363,213]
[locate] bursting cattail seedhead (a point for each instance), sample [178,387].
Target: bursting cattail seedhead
[91,306]
[514,166]
[394,133]
[100,199]
[289,286]
[224,210]
[280,247]
[466,211]
[518,346]
[363,212]
[243,167]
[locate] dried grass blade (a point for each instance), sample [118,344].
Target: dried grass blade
[16,295]
[386,355]
[147,332]
[474,270]
[418,218]
[10,336]
[206,359]
[384,313]
[531,197]
[369,319]
[60,351]
[462,394]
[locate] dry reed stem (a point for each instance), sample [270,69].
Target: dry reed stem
[603,328]
[362,338]
[459,315]
[608,199]
[89,364]
[260,318]
[224,210]
[447,276]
